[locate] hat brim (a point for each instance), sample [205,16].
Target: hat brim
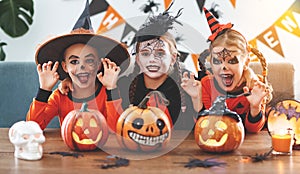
[53,50]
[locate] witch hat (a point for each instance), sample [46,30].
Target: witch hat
[82,32]
[215,27]
[84,20]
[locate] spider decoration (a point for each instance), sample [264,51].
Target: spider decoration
[73,154]
[215,12]
[261,157]
[113,161]
[147,8]
[210,162]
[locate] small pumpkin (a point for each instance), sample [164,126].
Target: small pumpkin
[84,129]
[219,129]
[285,115]
[143,128]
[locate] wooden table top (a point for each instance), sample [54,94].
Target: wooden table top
[172,161]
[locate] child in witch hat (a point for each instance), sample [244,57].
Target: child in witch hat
[157,67]
[229,61]
[91,61]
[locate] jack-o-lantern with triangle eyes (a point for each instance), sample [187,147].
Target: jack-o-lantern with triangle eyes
[219,129]
[84,129]
[143,128]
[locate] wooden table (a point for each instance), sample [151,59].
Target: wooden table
[171,162]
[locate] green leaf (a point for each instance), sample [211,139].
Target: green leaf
[16,16]
[2,53]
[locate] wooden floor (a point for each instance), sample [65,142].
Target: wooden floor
[172,160]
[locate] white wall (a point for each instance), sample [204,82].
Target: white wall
[251,17]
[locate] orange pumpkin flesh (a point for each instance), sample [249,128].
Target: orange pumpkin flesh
[219,129]
[214,133]
[84,130]
[142,128]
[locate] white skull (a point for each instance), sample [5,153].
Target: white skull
[27,137]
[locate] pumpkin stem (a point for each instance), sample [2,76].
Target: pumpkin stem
[84,107]
[143,103]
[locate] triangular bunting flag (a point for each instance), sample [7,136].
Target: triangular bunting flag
[97,7]
[288,23]
[195,60]
[183,56]
[167,3]
[200,4]
[233,3]
[296,6]
[111,19]
[128,35]
[270,38]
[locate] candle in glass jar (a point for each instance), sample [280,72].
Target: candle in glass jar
[281,143]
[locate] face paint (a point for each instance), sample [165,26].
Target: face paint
[154,58]
[82,64]
[227,66]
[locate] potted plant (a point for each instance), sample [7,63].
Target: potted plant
[15,18]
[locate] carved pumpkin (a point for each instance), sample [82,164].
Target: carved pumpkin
[84,129]
[285,115]
[219,129]
[143,128]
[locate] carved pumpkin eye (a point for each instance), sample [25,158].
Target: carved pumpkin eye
[93,123]
[138,123]
[204,123]
[221,125]
[79,122]
[160,124]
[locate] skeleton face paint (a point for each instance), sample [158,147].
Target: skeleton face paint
[27,138]
[154,58]
[82,64]
[227,66]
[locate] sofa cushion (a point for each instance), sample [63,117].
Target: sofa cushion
[19,85]
[281,77]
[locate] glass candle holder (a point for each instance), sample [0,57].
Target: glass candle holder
[282,141]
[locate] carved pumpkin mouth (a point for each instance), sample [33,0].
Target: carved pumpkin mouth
[148,140]
[213,142]
[86,140]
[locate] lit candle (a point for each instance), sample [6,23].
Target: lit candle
[281,142]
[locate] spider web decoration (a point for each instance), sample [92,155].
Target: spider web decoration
[290,112]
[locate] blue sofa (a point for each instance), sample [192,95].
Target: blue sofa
[19,85]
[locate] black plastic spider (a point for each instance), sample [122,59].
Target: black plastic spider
[203,163]
[215,12]
[261,157]
[73,154]
[147,8]
[113,161]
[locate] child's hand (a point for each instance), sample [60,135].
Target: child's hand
[65,86]
[193,88]
[250,77]
[111,73]
[190,85]
[48,77]
[258,93]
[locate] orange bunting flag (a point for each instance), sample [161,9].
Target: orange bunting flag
[195,60]
[270,38]
[288,23]
[167,3]
[233,3]
[111,19]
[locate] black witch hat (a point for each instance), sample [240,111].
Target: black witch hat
[53,49]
